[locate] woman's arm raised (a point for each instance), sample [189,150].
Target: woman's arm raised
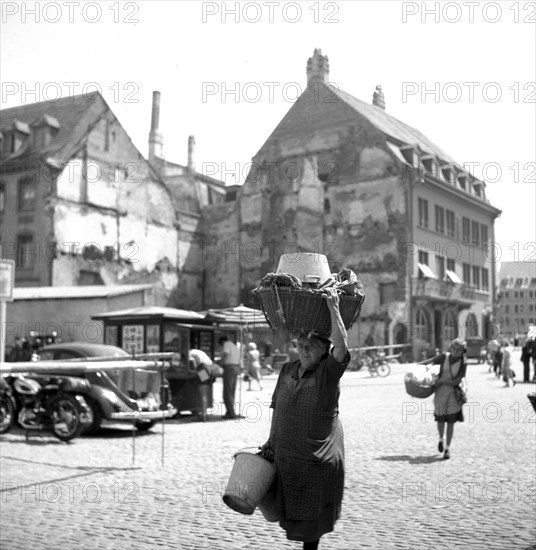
[339,336]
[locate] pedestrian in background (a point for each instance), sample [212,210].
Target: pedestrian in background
[507,371]
[199,360]
[497,361]
[254,364]
[306,438]
[493,346]
[532,349]
[525,359]
[230,362]
[204,367]
[268,359]
[447,407]
[20,352]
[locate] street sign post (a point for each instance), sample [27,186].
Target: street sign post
[7,283]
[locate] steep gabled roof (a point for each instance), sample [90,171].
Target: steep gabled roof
[321,107]
[75,116]
[393,127]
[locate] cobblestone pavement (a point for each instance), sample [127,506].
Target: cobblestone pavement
[102,492]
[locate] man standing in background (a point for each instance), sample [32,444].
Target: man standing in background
[230,362]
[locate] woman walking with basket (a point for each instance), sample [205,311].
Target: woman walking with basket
[306,439]
[449,395]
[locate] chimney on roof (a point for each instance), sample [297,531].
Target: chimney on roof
[378,98]
[191,152]
[156,141]
[317,68]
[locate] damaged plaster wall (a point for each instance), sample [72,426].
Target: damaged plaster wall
[345,198]
[222,251]
[112,217]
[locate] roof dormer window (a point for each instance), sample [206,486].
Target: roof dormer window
[411,155]
[430,165]
[449,173]
[478,189]
[15,137]
[44,129]
[462,181]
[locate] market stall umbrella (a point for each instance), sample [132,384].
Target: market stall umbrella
[241,314]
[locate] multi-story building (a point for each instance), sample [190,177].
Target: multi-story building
[343,177]
[516,298]
[79,203]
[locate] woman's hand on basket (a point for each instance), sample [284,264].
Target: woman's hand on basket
[266,451]
[332,297]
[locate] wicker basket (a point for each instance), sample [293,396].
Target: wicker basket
[297,310]
[416,390]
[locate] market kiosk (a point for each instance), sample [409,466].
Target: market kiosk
[173,332]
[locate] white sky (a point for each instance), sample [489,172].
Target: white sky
[396,44]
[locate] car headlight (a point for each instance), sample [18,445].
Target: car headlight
[118,404]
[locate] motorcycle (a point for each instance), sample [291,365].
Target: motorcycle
[50,403]
[7,406]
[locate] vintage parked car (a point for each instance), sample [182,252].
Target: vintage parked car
[476,349]
[119,394]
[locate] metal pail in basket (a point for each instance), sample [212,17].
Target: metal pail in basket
[251,478]
[305,265]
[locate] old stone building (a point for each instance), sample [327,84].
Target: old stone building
[79,204]
[516,308]
[342,177]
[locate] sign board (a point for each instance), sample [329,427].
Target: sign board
[7,280]
[133,338]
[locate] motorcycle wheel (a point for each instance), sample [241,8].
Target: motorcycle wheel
[65,417]
[7,414]
[372,370]
[383,369]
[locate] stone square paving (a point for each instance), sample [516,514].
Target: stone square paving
[110,492]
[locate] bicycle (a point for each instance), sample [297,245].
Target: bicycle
[358,361]
[379,367]
[379,364]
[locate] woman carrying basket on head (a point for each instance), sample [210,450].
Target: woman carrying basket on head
[306,438]
[447,403]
